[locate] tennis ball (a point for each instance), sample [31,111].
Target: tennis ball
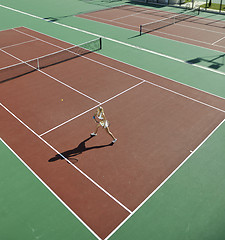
[61,99]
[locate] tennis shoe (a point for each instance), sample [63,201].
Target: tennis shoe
[114,140]
[93,134]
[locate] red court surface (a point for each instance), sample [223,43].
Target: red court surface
[157,122]
[195,30]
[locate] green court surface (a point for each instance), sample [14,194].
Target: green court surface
[28,209]
[121,44]
[190,205]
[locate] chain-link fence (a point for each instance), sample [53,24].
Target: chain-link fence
[217,6]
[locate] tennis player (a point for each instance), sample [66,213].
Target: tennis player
[102,122]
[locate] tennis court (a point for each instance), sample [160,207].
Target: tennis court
[186,26]
[59,182]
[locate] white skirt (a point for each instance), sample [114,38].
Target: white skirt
[104,124]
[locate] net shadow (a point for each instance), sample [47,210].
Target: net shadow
[23,68]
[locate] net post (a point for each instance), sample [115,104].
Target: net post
[140,29]
[100,43]
[38,64]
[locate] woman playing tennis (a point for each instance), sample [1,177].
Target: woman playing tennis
[102,122]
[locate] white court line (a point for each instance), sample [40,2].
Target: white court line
[135,67]
[71,119]
[194,40]
[129,15]
[218,40]
[143,49]
[61,24]
[152,20]
[78,169]
[133,76]
[15,10]
[141,79]
[66,85]
[117,41]
[185,160]
[17,44]
[63,203]
[164,33]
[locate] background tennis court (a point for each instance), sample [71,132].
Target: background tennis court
[177,92]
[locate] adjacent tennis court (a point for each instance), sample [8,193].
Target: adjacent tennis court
[75,186]
[187,26]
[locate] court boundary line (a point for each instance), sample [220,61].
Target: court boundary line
[149,8]
[194,40]
[155,53]
[133,76]
[139,78]
[191,154]
[170,79]
[218,41]
[71,119]
[165,180]
[115,69]
[17,44]
[158,31]
[54,194]
[134,14]
[117,41]
[118,61]
[143,81]
[56,151]
[55,79]
[153,20]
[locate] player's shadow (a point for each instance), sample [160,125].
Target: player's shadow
[70,154]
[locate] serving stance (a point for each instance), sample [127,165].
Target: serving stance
[102,122]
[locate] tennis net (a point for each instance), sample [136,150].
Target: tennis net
[23,68]
[149,27]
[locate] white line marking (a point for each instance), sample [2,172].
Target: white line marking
[143,49]
[117,41]
[140,69]
[218,41]
[194,40]
[36,38]
[192,99]
[164,33]
[130,15]
[129,46]
[15,10]
[170,79]
[17,44]
[66,85]
[141,79]
[65,205]
[185,160]
[54,128]
[183,24]
[78,169]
